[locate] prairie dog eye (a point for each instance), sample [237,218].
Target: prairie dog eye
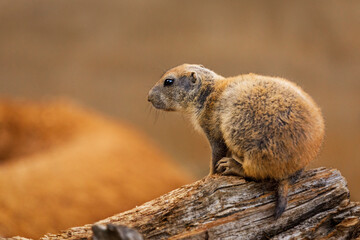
[168,82]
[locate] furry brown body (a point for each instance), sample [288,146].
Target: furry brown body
[62,165]
[269,126]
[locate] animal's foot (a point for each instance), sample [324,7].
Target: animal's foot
[229,166]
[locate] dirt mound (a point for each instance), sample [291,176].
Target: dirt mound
[63,166]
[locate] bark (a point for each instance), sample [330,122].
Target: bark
[219,207]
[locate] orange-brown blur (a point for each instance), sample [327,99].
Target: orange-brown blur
[108,54]
[62,166]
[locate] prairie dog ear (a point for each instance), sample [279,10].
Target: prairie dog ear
[194,77]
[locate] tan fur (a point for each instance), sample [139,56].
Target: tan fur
[294,135]
[269,126]
[268,123]
[63,166]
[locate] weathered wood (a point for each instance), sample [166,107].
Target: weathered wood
[219,207]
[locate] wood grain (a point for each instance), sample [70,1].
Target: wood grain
[219,207]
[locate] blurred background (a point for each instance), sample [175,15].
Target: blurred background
[106,55]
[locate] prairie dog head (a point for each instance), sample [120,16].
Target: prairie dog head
[179,86]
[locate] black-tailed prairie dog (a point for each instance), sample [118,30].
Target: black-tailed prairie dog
[62,165]
[258,127]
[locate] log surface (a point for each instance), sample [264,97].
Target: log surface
[219,207]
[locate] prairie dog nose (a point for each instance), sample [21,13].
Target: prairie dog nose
[150,96]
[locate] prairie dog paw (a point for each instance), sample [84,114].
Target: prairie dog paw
[229,166]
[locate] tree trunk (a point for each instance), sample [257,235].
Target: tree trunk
[219,207]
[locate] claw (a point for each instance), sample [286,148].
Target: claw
[229,166]
[222,165]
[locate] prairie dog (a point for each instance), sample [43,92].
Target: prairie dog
[269,126]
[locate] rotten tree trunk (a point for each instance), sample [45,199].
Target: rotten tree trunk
[219,207]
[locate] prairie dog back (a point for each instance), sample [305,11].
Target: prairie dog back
[270,124]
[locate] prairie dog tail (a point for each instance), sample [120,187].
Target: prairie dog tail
[282,192]
[281,195]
